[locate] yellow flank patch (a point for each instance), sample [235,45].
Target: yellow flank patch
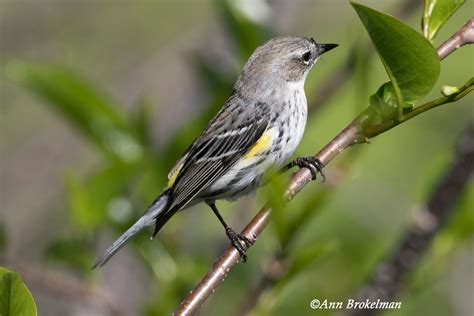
[261,145]
[174,174]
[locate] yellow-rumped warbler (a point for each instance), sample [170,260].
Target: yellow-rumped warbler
[259,127]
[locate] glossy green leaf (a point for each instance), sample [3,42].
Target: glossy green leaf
[15,298]
[88,109]
[436,13]
[410,60]
[384,102]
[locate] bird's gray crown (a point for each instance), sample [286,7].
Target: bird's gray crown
[278,61]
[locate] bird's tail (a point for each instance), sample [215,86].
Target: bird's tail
[148,219]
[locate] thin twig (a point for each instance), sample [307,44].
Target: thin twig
[349,136]
[462,37]
[389,275]
[460,93]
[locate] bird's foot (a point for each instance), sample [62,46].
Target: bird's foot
[314,165]
[240,242]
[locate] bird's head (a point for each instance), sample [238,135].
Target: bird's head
[283,59]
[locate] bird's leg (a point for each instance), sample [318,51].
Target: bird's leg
[313,164]
[240,242]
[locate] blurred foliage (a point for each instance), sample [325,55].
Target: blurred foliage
[75,251]
[133,172]
[247,34]
[89,202]
[81,103]
[15,298]
[3,238]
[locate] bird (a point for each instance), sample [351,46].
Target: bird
[257,129]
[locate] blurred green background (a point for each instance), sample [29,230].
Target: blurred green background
[146,76]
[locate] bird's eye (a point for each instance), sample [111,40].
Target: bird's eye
[306,57]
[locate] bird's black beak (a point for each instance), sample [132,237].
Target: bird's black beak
[323,48]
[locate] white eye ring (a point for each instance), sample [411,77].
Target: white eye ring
[306,58]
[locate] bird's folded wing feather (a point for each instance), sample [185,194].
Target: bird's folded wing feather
[216,151]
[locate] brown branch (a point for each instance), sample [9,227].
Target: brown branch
[462,37]
[389,275]
[349,136]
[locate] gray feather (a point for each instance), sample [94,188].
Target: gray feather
[148,219]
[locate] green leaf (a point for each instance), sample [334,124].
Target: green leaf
[436,13]
[15,298]
[410,60]
[85,107]
[384,102]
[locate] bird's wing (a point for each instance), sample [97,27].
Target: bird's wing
[229,136]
